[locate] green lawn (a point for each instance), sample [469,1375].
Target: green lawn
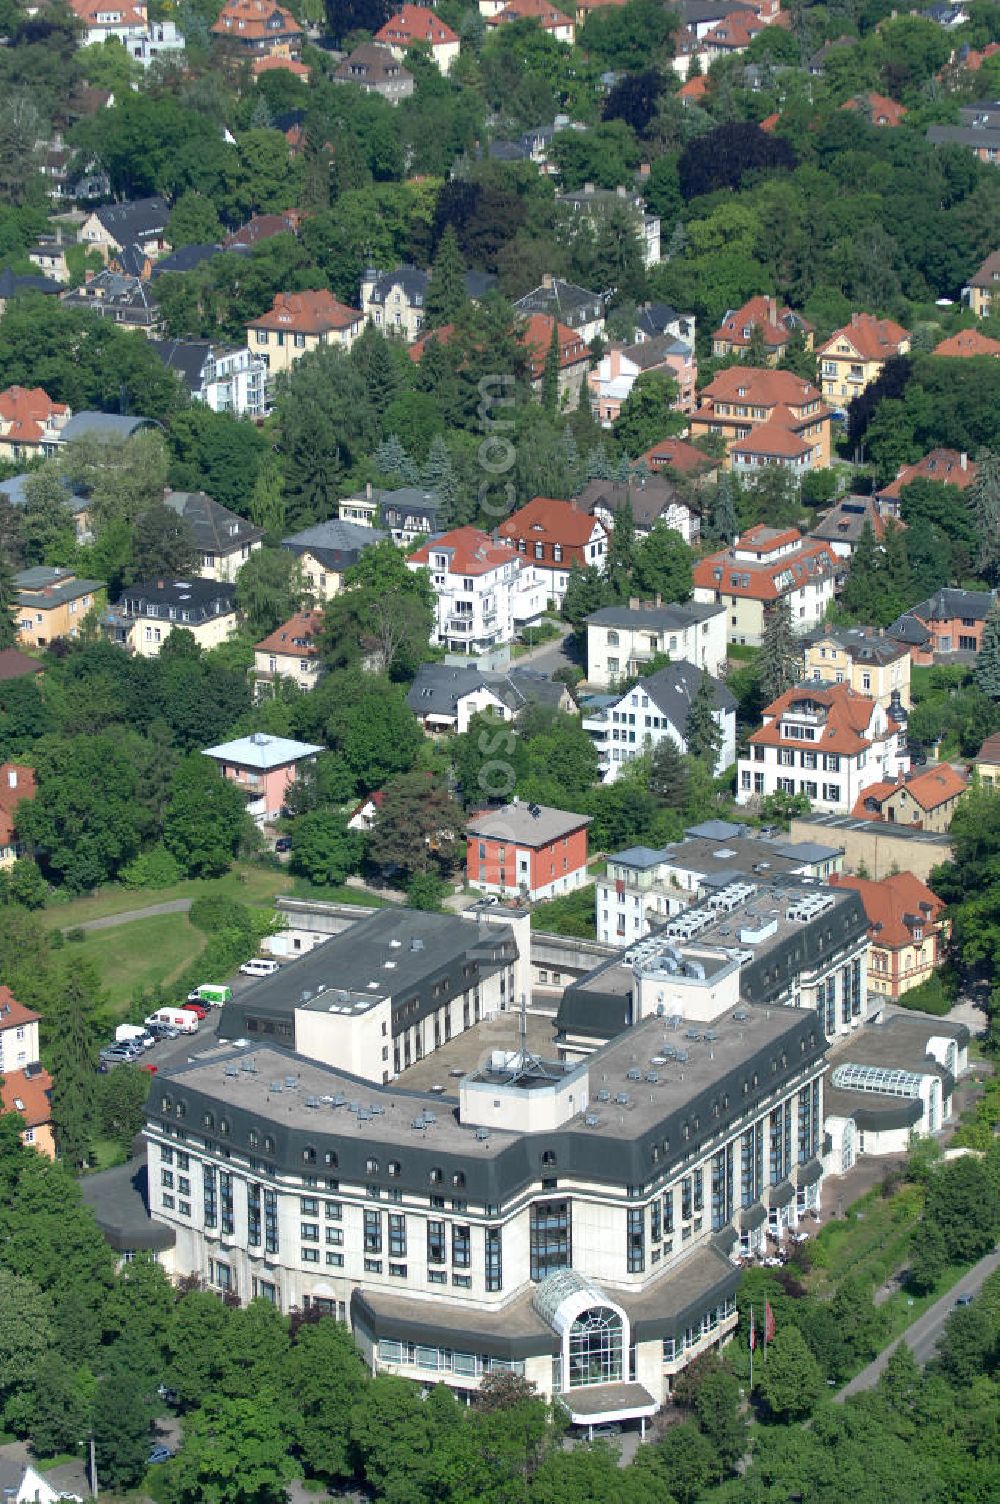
[140,954]
[253,885]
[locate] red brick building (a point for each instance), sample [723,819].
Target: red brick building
[527,850]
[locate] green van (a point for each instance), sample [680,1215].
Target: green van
[212,994]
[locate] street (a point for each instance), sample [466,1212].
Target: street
[923,1336]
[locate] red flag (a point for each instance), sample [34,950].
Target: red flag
[753,1332]
[768,1322]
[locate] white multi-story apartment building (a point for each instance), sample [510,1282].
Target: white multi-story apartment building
[644,887]
[654,709]
[824,741]
[623,640]
[764,567]
[485,591]
[225,378]
[569,1222]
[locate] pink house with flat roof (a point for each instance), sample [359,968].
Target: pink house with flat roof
[264,767]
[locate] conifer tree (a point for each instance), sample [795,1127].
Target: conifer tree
[702,732]
[621,549]
[988,658]
[446,288]
[550,375]
[73,1043]
[723,519]
[390,457]
[668,774]
[860,595]
[8,605]
[598,464]
[780,662]
[983,501]
[896,590]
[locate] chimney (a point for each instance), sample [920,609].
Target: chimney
[634,603]
[12,778]
[622,191]
[88,275]
[547,281]
[368,490]
[659,599]
[588,187]
[644,169]
[963,461]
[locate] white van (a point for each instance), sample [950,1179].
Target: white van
[178,1018]
[259,968]
[133,1034]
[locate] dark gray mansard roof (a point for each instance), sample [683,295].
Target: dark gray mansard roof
[426,950]
[662,1124]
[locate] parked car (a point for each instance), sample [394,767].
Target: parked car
[963,1301]
[259,967]
[118,1054]
[163,1031]
[159,1454]
[283,843]
[198,1009]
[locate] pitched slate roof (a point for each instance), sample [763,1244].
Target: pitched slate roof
[649,497]
[673,688]
[185,259]
[137,220]
[371,64]
[658,618]
[187,357]
[335,544]
[216,529]
[104,426]
[988,274]
[12,285]
[15,665]
[569,303]
[844,523]
[204,600]
[438,688]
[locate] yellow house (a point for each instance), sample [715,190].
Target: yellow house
[52,603]
[299,322]
[326,551]
[987,762]
[150,610]
[874,666]
[983,292]
[854,356]
[765,416]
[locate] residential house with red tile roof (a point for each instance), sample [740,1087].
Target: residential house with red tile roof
[486,591]
[743,400]
[262,227]
[854,355]
[110,20]
[924,800]
[876,108]
[257,28]
[30,423]
[416,26]
[554,535]
[298,322]
[262,65]
[948,467]
[907,933]
[982,294]
[682,458]
[733,34]
[536,339]
[26,1087]
[967,344]
[554,21]
[17,782]
[289,652]
[769,123]
[766,565]
[825,742]
[694,91]
[765,319]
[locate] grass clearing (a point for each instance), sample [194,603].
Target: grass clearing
[871,1242]
[140,954]
[257,886]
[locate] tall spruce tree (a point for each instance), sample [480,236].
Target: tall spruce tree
[983,501]
[988,658]
[621,549]
[860,595]
[702,732]
[72,1038]
[8,605]
[550,375]
[446,289]
[668,774]
[723,517]
[780,662]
